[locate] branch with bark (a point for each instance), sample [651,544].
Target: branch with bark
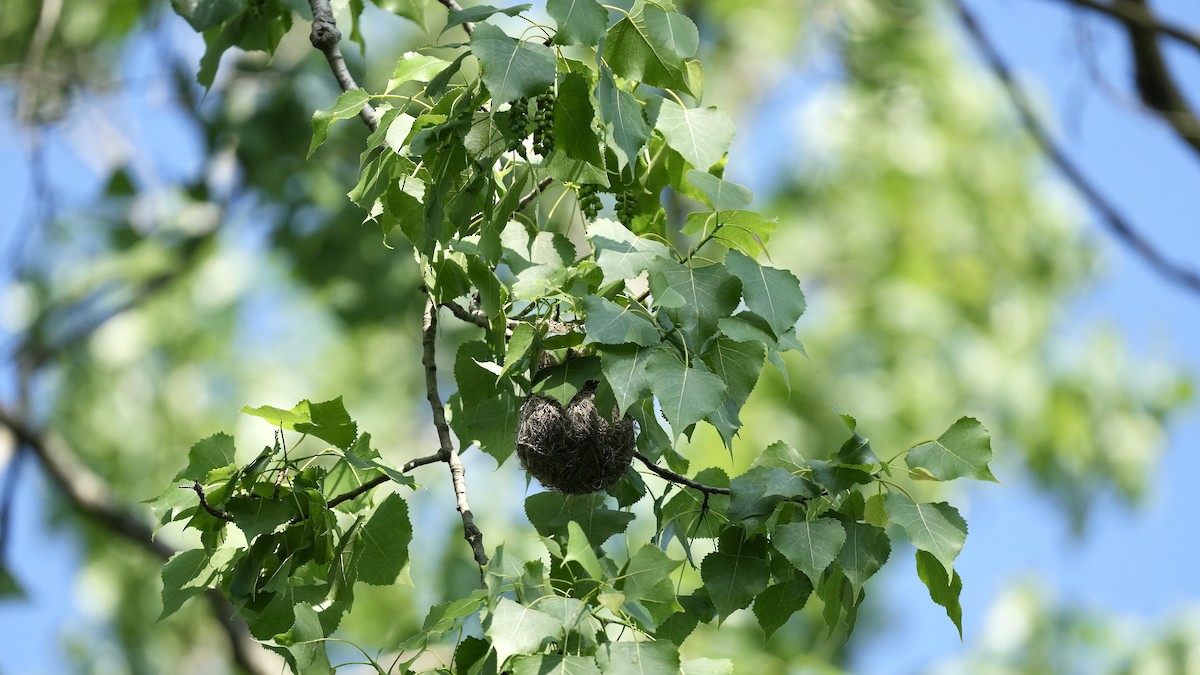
[1136,14]
[1110,216]
[447,452]
[326,37]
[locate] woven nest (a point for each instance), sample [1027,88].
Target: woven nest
[573,450]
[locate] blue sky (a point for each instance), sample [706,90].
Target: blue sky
[1132,157]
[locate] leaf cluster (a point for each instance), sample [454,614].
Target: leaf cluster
[671,324]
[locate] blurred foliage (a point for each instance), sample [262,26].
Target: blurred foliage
[939,263]
[1026,632]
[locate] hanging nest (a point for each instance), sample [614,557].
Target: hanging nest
[573,450]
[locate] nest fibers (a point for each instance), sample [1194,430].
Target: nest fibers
[573,450]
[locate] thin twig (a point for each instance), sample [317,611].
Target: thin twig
[478,318]
[679,479]
[383,478]
[533,194]
[1134,14]
[212,510]
[326,37]
[1110,216]
[447,451]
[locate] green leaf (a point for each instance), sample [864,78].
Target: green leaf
[856,449]
[445,616]
[722,195]
[330,422]
[563,381]
[580,550]
[838,477]
[415,67]
[190,573]
[963,451]
[475,656]
[639,658]
[701,135]
[736,572]
[347,105]
[555,664]
[385,538]
[483,410]
[623,118]
[515,629]
[278,417]
[366,462]
[702,296]
[486,140]
[479,13]
[874,511]
[535,260]
[651,46]
[413,10]
[771,293]
[624,368]
[707,667]
[580,22]
[685,394]
[866,550]
[620,253]
[348,474]
[573,117]
[511,68]
[936,527]
[779,602]
[744,231]
[835,596]
[214,452]
[519,345]
[550,513]
[810,545]
[186,574]
[739,364]
[685,511]
[204,14]
[697,607]
[611,324]
[782,455]
[255,516]
[576,616]
[305,643]
[943,589]
[647,582]
[757,492]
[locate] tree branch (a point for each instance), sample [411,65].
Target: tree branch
[679,479]
[455,7]
[533,194]
[1136,14]
[1109,215]
[326,37]
[448,453]
[383,478]
[478,318]
[1155,85]
[89,496]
